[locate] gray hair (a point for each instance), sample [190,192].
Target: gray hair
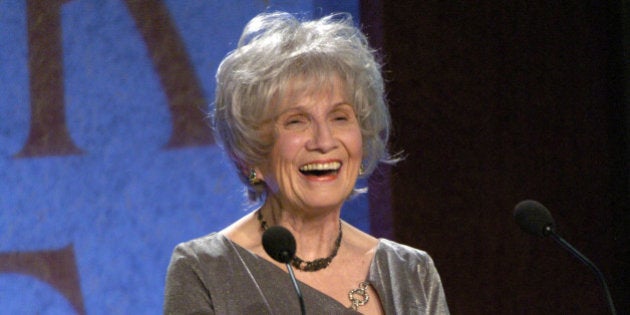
[276,48]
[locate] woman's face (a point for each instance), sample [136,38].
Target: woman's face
[317,151]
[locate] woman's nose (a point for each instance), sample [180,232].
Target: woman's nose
[322,138]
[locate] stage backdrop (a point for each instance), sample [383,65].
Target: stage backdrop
[107,160]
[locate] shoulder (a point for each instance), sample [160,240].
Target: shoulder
[208,246]
[402,256]
[359,242]
[400,269]
[393,248]
[196,269]
[201,257]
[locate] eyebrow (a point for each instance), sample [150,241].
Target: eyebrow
[303,107]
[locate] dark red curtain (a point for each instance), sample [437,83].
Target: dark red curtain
[497,102]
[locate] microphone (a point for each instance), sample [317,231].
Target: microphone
[535,219]
[279,243]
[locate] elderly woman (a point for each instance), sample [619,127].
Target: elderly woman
[300,110]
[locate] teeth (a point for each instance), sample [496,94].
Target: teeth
[331,166]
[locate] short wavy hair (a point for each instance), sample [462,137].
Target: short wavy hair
[276,48]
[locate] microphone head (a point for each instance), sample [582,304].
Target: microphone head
[534,218]
[279,243]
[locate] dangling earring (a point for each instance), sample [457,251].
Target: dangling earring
[253,177]
[361,169]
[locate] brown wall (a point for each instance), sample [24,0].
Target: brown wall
[495,103]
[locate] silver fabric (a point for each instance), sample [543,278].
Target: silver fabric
[213,275]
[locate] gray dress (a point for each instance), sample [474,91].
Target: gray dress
[213,275]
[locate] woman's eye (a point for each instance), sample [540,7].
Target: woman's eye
[343,114]
[295,121]
[342,117]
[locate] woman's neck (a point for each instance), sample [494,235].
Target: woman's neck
[315,230]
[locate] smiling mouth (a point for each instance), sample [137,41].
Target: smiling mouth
[320,169]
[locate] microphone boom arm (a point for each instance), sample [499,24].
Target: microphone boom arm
[598,273]
[297,289]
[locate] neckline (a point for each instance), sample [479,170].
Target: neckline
[370,277]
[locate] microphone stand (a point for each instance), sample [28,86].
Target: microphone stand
[297,288]
[549,230]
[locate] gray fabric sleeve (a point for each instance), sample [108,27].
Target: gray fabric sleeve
[185,291]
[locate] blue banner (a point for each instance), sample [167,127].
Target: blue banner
[106,157]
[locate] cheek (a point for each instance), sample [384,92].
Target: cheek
[288,147]
[355,144]
[285,150]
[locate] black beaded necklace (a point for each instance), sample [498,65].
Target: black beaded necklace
[314,265]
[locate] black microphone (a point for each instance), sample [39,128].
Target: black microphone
[534,218]
[279,243]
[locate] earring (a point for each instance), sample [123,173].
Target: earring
[361,169]
[253,177]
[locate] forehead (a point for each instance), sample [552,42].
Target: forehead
[301,89]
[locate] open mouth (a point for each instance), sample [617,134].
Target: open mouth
[320,169]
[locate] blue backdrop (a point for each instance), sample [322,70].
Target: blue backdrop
[88,225]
